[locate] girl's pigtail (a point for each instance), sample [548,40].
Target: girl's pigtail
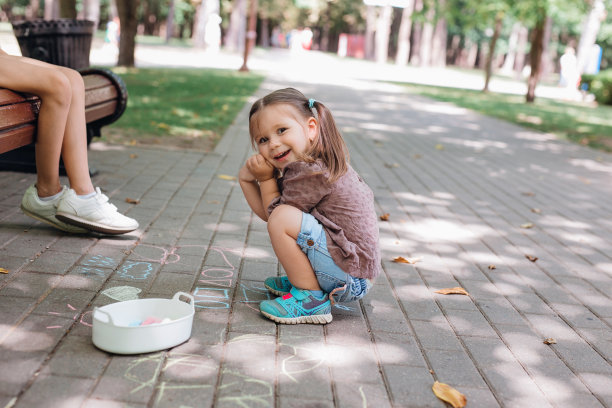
[330,146]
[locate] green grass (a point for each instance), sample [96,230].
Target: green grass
[581,123]
[180,107]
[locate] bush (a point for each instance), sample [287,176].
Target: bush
[599,85]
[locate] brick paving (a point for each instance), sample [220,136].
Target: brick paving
[459,189]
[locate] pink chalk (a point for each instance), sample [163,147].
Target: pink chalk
[150,320]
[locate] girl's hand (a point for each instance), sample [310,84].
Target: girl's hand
[260,168]
[245,175]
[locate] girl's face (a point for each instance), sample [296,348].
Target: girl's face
[281,134]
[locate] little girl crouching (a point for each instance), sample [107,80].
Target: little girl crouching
[320,213]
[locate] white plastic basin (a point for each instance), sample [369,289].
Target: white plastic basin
[112,332]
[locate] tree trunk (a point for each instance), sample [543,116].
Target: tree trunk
[415,37]
[32,10]
[234,40]
[519,64]
[512,45]
[535,57]
[438,54]
[51,9]
[488,65]
[91,11]
[128,17]
[370,31]
[382,34]
[199,32]
[589,32]
[403,40]
[547,62]
[427,38]
[170,22]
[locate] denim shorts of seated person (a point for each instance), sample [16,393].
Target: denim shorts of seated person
[313,242]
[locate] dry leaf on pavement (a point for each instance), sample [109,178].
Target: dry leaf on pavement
[536,211]
[531,258]
[384,217]
[527,225]
[132,201]
[550,340]
[491,267]
[448,394]
[226,177]
[3,270]
[401,259]
[453,291]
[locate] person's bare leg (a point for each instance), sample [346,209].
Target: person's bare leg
[61,120]
[284,227]
[74,146]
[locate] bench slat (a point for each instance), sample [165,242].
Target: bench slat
[14,138]
[16,115]
[100,111]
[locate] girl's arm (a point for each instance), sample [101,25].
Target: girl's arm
[251,192]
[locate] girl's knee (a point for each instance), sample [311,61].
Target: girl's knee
[285,218]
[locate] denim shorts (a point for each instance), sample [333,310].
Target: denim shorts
[313,242]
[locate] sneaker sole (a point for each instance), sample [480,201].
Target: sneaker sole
[90,225]
[313,319]
[51,223]
[275,291]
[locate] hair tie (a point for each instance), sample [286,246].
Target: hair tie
[311,103]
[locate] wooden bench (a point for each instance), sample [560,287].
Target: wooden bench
[105,102]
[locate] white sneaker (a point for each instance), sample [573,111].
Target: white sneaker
[44,211]
[94,213]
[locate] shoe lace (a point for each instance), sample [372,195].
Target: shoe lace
[103,199]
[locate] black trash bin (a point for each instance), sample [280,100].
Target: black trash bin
[64,42]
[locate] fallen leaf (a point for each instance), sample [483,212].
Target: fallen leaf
[448,394]
[133,142]
[384,217]
[527,225]
[528,194]
[133,156]
[531,258]
[226,177]
[411,261]
[213,202]
[2,270]
[550,340]
[132,201]
[491,267]
[453,291]
[417,156]
[439,147]
[392,165]
[536,211]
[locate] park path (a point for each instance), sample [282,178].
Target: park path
[468,198]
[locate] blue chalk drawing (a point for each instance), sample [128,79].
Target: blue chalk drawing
[100,261]
[208,298]
[135,270]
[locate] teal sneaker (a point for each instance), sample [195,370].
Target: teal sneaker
[298,306]
[278,286]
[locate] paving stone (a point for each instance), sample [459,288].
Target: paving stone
[437,335]
[53,262]
[411,386]
[29,284]
[470,323]
[76,356]
[453,367]
[56,391]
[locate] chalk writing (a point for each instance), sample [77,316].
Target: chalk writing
[100,261]
[82,319]
[135,270]
[211,298]
[121,293]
